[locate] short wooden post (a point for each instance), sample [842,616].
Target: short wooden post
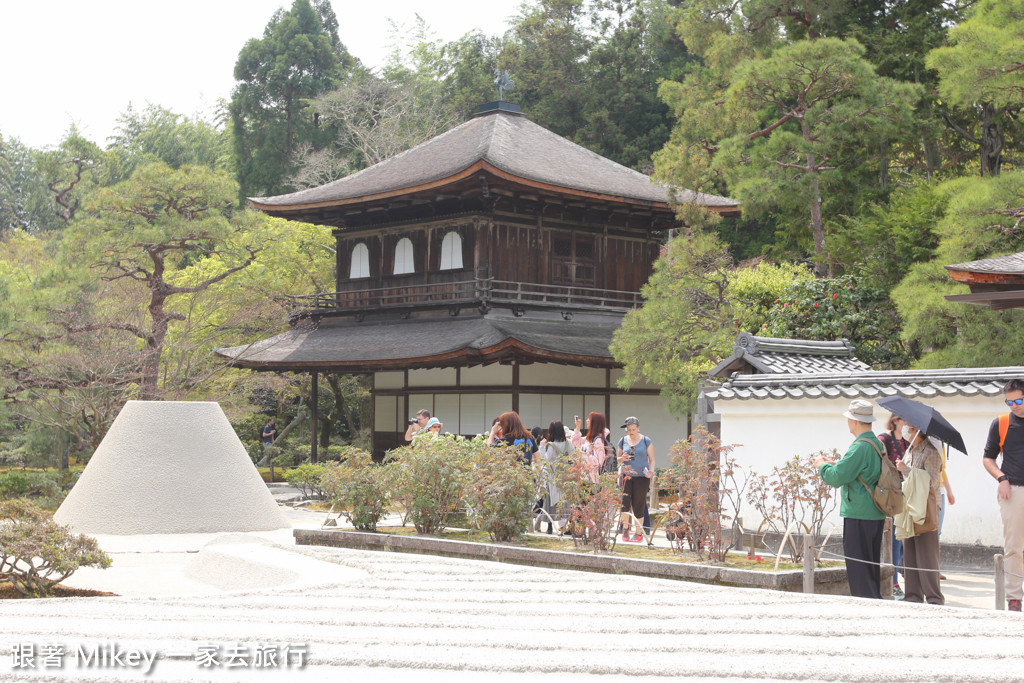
[808,564]
[1000,583]
[887,579]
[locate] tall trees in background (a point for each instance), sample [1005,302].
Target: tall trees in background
[982,71]
[298,58]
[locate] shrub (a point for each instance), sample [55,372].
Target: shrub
[593,507]
[429,476]
[13,485]
[307,479]
[698,464]
[359,486]
[36,553]
[794,494]
[500,492]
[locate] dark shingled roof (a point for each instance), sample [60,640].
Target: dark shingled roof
[433,341]
[770,355]
[503,143]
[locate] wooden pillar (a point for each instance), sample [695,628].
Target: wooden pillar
[608,396]
[316,415]
[515,386]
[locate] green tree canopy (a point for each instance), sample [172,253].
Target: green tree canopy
[983,219]
[788,128]
[982,69]
[295,60]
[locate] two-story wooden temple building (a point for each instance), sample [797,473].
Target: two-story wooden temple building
[484,270]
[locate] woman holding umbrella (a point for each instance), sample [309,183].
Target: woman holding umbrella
[921,551]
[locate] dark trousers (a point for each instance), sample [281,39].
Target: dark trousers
[922,552]
[862,545]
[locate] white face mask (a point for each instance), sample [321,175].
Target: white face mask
[905,432]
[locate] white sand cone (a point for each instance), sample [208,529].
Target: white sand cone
[170,467]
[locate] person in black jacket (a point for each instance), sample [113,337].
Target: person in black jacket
[1010,490]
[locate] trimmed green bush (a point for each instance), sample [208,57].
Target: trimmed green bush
[307,479]
[500,493]
[359,486]
[36,553]
[429,477]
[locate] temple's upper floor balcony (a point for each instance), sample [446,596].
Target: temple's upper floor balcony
[478,292]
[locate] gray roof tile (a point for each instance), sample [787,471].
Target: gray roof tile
[770,355]
[345,342]
[508,142]
[868,384]
[1011,264]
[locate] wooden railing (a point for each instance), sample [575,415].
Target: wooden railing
[480,291]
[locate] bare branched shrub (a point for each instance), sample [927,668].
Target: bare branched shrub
[794,495]
[593,506]
[698,466]
[36,553]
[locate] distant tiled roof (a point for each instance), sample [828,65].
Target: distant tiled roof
[432,341]
[1012,264]
[770,355]
[869,384]
[507,142]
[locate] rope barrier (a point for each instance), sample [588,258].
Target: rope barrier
[972,572]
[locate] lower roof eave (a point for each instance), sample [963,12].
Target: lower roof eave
[502,353]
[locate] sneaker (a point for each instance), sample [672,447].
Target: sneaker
[639,538]
[1013,605]
[897,592]
[625,537]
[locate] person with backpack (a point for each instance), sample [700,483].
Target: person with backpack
[895,447]
[636,459]
[1006,436]
[509,429]
[856,475]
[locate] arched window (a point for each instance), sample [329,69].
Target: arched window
[360,266]
[451,251]
[403,257]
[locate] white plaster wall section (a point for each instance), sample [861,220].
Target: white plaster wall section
[655,422]
[432,377]
[385,414]
[771,431]
[166,468]
[554,375]
[494,375]
[389,380]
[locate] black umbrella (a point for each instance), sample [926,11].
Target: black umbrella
[925,418]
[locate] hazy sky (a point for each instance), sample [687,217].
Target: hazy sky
[84,61]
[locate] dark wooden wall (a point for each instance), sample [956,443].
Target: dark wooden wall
[507,250]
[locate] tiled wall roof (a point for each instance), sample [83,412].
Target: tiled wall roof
[868,384]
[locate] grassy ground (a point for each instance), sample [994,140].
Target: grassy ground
[636,551]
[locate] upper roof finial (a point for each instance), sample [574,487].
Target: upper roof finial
[502,82]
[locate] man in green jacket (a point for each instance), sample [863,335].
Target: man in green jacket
[862,521]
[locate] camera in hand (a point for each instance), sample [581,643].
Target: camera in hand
[412,421]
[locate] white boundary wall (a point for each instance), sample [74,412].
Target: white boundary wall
[771,431]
